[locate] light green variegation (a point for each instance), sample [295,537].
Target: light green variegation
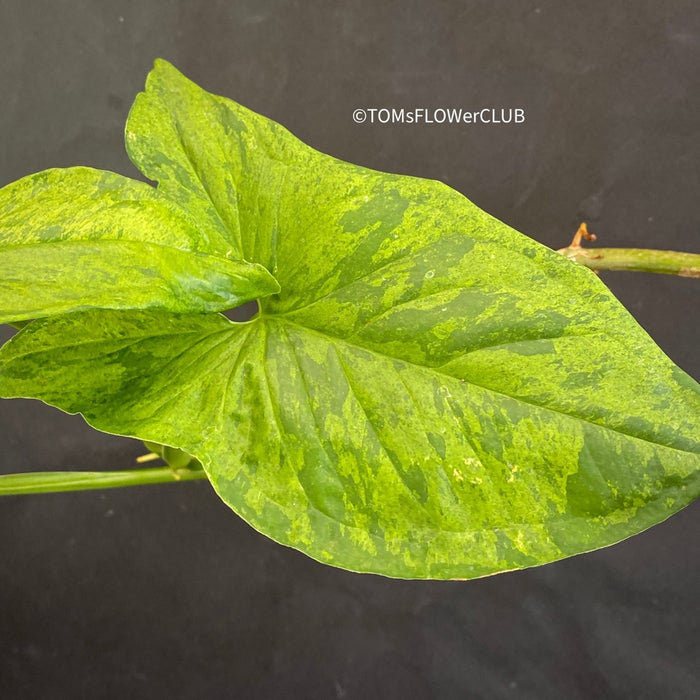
[429,394]
[79,238]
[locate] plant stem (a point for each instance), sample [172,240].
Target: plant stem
[667,262]
[53,482]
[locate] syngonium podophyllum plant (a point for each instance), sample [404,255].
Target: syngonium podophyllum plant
[424,392]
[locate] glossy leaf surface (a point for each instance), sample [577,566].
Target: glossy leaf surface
[430,394]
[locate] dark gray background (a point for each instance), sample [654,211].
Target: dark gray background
[162,592]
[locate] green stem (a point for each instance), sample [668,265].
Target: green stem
[53,482]
[667,262]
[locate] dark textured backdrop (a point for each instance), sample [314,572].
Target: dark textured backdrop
[162,592]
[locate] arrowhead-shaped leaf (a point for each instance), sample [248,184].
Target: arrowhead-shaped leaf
[430,394]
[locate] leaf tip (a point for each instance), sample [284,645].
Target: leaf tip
[163,70]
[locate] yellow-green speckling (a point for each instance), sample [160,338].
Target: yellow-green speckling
[426,393]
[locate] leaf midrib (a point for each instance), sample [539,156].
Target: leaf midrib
[122,241]
[205,188]
[461,382]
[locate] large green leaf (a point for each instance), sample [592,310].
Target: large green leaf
[430,394]
[76,238]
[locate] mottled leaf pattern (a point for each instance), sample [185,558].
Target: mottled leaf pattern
[78,238]
[430,394]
